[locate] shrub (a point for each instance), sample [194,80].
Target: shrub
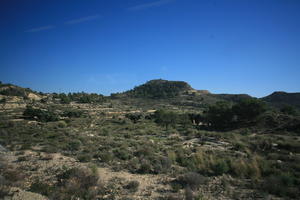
[172,156]
[73,113]
[77,183]
[221,167]
[134,117]
[40,115]
[75,145]
[105,156]
[281,185]
[84,157]
[289,110]
[41,188]
[161,164]
[122,154]
[145,167]
[9,176]
[62,124]
[191,179]
[64,99]
[132,186]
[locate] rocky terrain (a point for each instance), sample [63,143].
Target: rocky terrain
[161,140]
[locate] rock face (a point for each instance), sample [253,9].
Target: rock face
[33,96]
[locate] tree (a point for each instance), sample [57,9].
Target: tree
[40,115]
[165,118]
[196,118]
[134,116]
[220,115]
[248,109]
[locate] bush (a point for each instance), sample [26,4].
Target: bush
[40,115]
[221,167]
[134,117]
[191,179]
[62,124]
[41,188]
[281,185]
[73,113]
[64,99]
[75,145]
[161,165]
[84,158]
[122,154]
[132,186]
[145,167]
[105,157]
[77,183]
[289,110]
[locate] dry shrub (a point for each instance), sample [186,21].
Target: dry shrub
[77,183]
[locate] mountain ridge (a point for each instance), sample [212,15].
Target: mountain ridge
[164,89]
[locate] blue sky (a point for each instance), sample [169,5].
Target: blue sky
[104,46]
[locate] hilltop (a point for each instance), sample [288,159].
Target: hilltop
[281,99]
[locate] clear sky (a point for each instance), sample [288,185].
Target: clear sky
[104,46]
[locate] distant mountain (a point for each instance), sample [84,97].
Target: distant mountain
[159,88]
[280,99]
[173,92]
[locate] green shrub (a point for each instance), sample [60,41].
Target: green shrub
[84,157]
[132,186]
[40,115]
[282,185]
[62,124]
[122,154]
[106,156]
[221,167]
[75,145]
[41,188]
[73,113]
[192,180]
[134,117]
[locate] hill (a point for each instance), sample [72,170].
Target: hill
[163,136]
[280,99]
[159,88]
[13,90]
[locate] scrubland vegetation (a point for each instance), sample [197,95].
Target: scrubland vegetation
[239,149]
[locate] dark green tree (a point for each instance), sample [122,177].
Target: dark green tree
[220,115]
[134,117]
[248,109]
[165,118]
